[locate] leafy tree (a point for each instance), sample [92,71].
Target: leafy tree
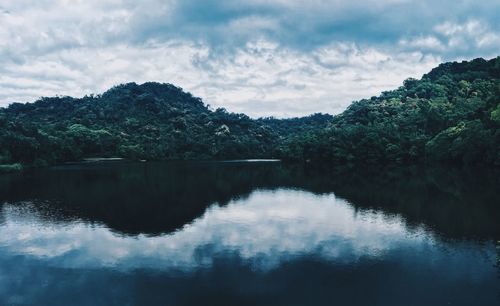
[451,114]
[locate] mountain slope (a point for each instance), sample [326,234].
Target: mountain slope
[150,121]
[452,114]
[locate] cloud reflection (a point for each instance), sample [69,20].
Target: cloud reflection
[264,230]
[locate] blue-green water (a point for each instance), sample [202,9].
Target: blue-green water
[249,234]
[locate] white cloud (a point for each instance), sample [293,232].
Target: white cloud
[260,79]
[281,58]
[472,34]
[423,43]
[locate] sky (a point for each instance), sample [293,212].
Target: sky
[263,58]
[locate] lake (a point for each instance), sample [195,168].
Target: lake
[249,233]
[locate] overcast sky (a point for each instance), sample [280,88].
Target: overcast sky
[276,57]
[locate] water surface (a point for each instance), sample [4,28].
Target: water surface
[249,234]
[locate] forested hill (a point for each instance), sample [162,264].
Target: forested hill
[452,114]
[151,121]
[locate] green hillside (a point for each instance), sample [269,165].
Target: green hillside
[452,114]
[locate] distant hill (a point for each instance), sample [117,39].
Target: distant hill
[452,114]
[151,121]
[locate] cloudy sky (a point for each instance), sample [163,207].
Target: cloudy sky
[275,57]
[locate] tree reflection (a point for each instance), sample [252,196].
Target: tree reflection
[155,198]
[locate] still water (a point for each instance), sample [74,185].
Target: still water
[249,233]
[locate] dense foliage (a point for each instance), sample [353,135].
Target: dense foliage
[150,121]
[451,114]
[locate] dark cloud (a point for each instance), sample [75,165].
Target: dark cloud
[287,56]
[309,25]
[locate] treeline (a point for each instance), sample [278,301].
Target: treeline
[151,121]
[452,114]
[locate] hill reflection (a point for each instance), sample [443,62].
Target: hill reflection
[264,230]
[158,198]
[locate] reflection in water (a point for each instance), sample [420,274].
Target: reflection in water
[157,198]
[249,234]
[264,229]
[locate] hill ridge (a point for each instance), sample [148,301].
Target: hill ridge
[451,114]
